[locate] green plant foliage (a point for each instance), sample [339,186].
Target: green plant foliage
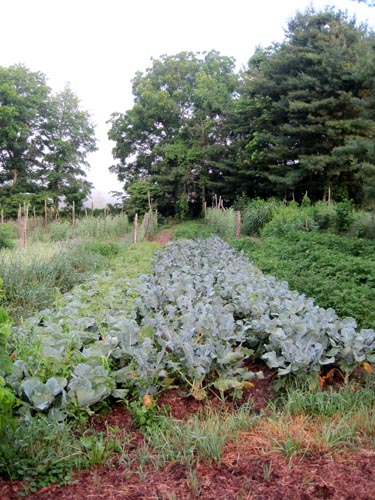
[97,228]
[105,249]
[193,321]
[42,451]
[7,236]
[344,216]
[288,219]
[337,271]
[222,221]
[33,275]
[255,215]
[191,231]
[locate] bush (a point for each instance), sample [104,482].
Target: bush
[344,216]
[289,220]
[7,236]
[256,215]
[222,222]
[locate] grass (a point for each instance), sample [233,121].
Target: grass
[96,228]
[192,230]
[32,276]
[52,263]
[42,451]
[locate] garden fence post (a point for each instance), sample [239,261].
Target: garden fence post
[135,228]
[238,224]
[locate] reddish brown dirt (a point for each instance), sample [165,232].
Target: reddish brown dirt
[164,236]
[245,472]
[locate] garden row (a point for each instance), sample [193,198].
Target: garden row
[192,320]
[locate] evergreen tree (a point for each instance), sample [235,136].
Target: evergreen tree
[305,114]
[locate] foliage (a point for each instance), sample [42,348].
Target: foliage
[7,236]
[286,219]
[96,228]
[7,398]
[44,142]
[255,215]
[192,230]
[42,451]
[344,216]
[174,137]
[33,276]
[337,271]
[303,120]
[193,322]
[69,139]
[149,225]
[222,221]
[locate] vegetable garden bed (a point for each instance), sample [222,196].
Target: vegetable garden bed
[192,329]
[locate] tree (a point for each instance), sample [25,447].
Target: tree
[175,136]
[68,137]
[44,142]
[304,106]
[23,106]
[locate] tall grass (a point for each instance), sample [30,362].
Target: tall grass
[100,228]
[32,275]
[222,221]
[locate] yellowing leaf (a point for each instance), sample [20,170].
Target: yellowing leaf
[148,401]
[248,384]
[367,367]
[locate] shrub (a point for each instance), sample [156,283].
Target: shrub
[222,222]
[7,236]
[344,216]
[256,215]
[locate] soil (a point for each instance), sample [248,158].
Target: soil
[164,236]
[245,471]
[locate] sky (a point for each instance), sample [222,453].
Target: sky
[97,46]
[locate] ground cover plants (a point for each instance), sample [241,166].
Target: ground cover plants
[55,258]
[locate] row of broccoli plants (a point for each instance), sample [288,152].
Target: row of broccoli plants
[193,321]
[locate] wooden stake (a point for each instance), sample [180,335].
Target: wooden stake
[73,219]
[238,224]
[45,213]
[135,235]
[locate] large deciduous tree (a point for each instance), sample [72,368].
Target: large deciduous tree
[305,119]
[69,138]
[176,134]
[24,98]
[44,141]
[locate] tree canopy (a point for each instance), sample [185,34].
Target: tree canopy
[176,134]
[299,118]
[44,141]
[307,107]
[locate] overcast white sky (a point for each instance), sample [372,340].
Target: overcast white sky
[98,45]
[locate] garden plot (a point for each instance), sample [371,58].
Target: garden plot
[192,320]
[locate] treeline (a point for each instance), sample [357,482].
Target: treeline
[45,138]
[299,118]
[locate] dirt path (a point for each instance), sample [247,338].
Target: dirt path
[164,236]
